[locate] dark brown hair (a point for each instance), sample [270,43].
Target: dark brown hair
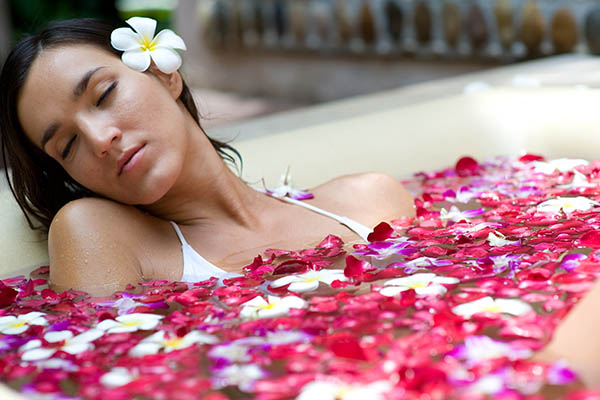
[40,185]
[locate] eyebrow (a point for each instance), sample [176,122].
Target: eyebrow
[80,88]
[49,134]
[83,83]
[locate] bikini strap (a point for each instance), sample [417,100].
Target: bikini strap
[358,228]
[179,233]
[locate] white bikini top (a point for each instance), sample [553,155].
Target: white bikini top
[196,268]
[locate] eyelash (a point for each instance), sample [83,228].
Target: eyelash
[104,95]
[67,149]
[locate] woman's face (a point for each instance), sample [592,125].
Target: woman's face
[116,131]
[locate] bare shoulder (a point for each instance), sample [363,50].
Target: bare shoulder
[94,245]
[368,197]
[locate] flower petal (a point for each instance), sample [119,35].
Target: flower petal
[118,376]
[144,26]
[37,354]
[76,348]
[168,38]
[57,336]
[391,291]
[125,39]
[87,336]
[143,349]
[301,287]
[166,59]
[137,59]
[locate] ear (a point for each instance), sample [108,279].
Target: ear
[172,82]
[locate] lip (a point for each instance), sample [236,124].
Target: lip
[129,158]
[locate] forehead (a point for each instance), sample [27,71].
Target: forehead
[48,89]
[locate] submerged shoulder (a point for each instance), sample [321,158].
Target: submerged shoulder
[369,197]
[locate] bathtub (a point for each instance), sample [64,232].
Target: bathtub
[426,135]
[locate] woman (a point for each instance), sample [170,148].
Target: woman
[114,163]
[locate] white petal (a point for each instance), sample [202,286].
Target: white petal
[87,336]
[166,59]
[199,337]
[8,319]
[473,307]
[293,302]
[31,316]
[125,39]
[143,349]
[76,348]
[32,344]
[420,278]
[445,279]
[513,306]
[431,290]
[168,38]
[301,287]
[272,312]
[157,337]
[144,26]
[119,376]
[37,354]
[17,330]
[137,59]
[259,301]
[57,336]
[107,324]
[391,291]
[285,280]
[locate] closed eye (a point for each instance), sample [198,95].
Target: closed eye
[67,149]
[106,93]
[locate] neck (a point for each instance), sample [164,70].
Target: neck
[207,191]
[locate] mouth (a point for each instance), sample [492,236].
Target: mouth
[127,157]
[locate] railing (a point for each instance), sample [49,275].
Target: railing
[504,30]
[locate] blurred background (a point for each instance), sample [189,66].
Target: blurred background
[248,58]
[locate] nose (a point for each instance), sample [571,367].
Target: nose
[101,136]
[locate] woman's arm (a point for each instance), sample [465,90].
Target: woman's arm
[577,339]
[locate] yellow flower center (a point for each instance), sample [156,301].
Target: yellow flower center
[173,342]
[147,44]
[131,323]
[267,306]
[417,285]
[494,309]
[342,391]
[18,324]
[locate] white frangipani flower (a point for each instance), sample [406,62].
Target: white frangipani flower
[163,340]
[422,283]
[309,281]
[242,376]
[118,376]
[140,46]
[491,305]
[258,307]
[496,239]
[566,204]
[15,325]
[33,349]
[560,165]
[320,390]
[130,323]
[579,181]
[477,349]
